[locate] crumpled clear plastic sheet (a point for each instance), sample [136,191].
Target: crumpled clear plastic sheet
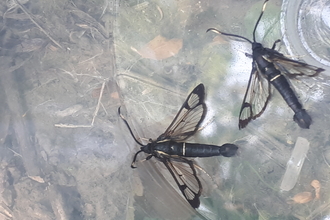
[62,155]
[162,52]
[66,67]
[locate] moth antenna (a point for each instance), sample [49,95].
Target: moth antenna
[130,130]
[255,27]
[231,35]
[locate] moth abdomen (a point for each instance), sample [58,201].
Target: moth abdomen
[206,150]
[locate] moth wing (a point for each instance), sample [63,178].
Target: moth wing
[256,97]
[189,117]
[293,68]
[185,176]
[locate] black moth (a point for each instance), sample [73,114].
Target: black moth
[171,149]
[267,66]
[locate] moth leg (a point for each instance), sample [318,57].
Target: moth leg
[134,162]
[135,159]
[274,45]
[162,154]
[145,139]
[147,158]
[248,55]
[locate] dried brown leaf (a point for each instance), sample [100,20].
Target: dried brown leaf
[161,48]
[114,95]
[301,198]
[37,179]
[317,186]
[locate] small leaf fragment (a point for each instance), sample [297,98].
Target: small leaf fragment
[161,48]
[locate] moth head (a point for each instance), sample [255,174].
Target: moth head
[257,46]
[147,148]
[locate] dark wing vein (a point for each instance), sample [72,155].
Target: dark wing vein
[189,117]
[256,97]
[293,68]
[184,174]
